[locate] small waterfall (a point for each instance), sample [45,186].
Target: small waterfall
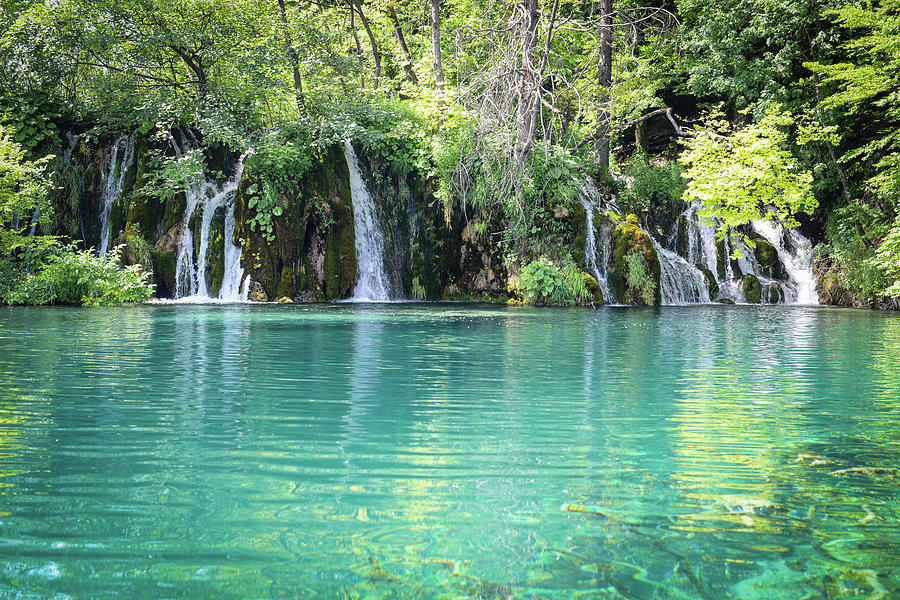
[372,283]
[679,281]
[232,289]
[190,273]
[114,181]
[795,253]
[591,247]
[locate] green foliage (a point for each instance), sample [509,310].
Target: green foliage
[639,278]
[853,232]
[169,175]
[659,183]
[276,165]
[23,191]
[80,277]
[866,84]
[744,174]
[541,283]
[750,52]
[31,119]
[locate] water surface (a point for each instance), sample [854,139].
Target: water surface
[447,451]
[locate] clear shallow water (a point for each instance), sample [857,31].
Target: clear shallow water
[412,451]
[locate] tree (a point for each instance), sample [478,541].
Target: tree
[746,174]
[23,193]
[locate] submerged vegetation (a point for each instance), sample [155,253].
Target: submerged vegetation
[470,112]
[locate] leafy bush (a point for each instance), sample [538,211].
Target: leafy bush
[543,283]
[80,277]
[653,184]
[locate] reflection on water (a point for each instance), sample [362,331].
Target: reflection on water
[449,451]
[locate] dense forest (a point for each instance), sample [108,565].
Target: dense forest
[479,124]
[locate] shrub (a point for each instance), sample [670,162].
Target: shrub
[80,277]
[542,283]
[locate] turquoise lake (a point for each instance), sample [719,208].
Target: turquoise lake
[449,451]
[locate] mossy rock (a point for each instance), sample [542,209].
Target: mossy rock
[285,284]
[720,258]
[726,301]
[681,244]
[164,273]
[594,288]
[773,294]
[752,289]
[767,257]
[629,239]
[711,284]
[579,225]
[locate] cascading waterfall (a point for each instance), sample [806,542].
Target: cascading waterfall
[372,282]
[114,181]
[793,251]
[190,273]
[593,250]
[797,260]
[679,281]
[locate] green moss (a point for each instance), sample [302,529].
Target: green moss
[630,239]
[137,250]
[681,245]
[340,240]
[752,289]
[720,258]
[164,273]
[286,283]
[594,288]
[767,257]
[579,225]
[710,281]
[216,257]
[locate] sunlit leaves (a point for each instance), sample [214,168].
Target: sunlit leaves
[745,174]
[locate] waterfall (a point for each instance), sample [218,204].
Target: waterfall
[590,242]
[794,252]
[114,181]
[232,289]
[190,273]
[679,281]
[797,259]
[372,283]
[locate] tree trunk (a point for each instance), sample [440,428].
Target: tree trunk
[527,92]
[604,82]
[295,60]
[844,185]
[436,43]
[359,56]
[401,40]
[376,53]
